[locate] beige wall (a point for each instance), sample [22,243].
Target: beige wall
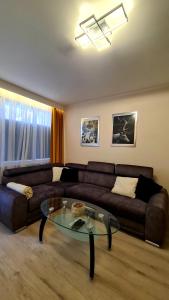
[152,141]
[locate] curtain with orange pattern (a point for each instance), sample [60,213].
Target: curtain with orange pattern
[56,147]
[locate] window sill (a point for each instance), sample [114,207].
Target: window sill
[24,163]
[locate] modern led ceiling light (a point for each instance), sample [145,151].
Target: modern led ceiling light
[97,32]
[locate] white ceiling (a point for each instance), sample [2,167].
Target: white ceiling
[38,52]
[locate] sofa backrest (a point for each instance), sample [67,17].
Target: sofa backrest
[98,173]
[100,179]
[76,166]
[102,167]
[31,176]
[104,174]
[133,171]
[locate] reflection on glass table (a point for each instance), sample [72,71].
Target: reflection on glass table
[91,222]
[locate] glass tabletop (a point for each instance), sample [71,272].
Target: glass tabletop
[64,212]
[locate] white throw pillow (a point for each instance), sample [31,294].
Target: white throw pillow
[125,186]
[57,171]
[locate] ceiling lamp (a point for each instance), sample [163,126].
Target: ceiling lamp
[97,32]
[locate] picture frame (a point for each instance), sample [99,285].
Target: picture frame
[124,129]
[90,132]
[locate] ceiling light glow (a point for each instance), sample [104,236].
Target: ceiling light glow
[97,32]
[83,41]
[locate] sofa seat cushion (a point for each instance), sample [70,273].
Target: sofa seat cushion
[86,192]
[123,206]
[41,193]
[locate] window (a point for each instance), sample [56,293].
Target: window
[24,131]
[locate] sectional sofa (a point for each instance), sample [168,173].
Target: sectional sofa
[95,181]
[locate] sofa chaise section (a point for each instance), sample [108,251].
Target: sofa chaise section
[13,208]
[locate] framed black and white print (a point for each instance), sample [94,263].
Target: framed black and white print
[90,132]
[124,129]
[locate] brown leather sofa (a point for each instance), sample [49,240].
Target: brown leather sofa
[95,181]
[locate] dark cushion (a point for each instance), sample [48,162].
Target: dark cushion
[100,179]
[43,192]
[123,206]
[86,192]
[69,175]
[146,187]
[101,167]
[133,171]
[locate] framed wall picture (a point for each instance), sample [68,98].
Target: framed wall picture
[90,132]
[124,129]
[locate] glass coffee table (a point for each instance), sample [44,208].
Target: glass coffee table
[95,222]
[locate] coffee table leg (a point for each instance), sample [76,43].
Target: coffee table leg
[41,228]
[109,234]
[92,254]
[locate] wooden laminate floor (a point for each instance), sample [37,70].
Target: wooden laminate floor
[58,268]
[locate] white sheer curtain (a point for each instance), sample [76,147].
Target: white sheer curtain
[24,132]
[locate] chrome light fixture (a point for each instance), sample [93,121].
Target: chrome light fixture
[97,32]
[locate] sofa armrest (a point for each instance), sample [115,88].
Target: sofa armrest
[156,218]
[13,208]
